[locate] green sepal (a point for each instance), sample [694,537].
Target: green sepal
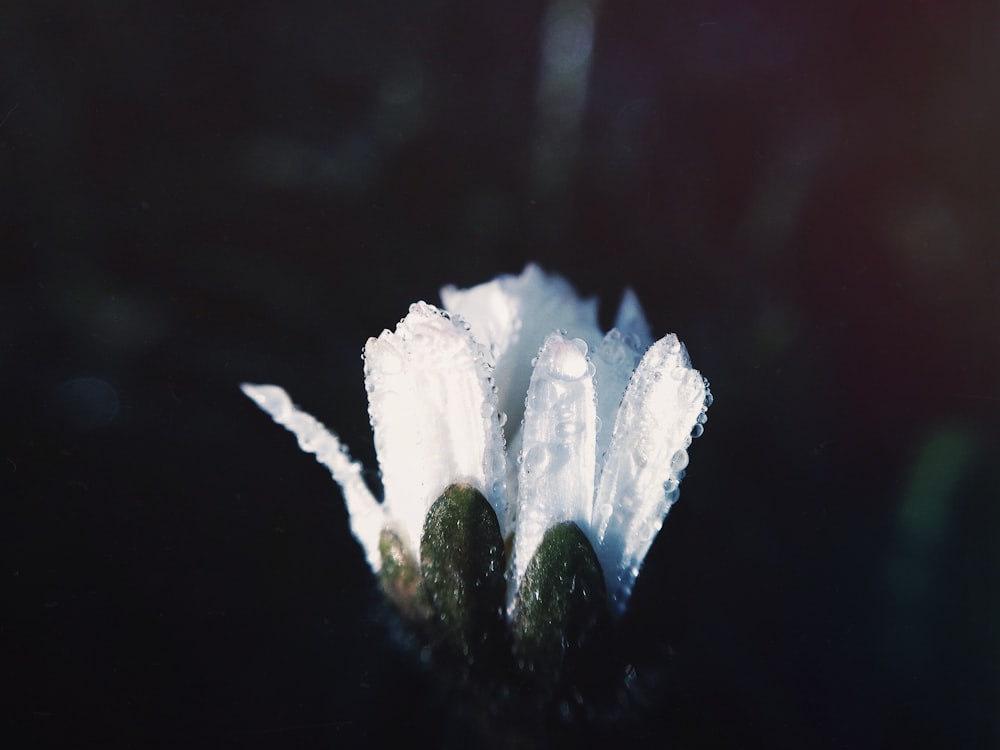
[400,578]
[561,613]
[462,560]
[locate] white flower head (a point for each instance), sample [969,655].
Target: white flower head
[513,389]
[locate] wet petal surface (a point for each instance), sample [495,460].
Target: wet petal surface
[433,412]
[665,400]
[556,477]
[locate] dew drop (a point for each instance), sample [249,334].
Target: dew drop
[542,395]
[566,361]
[697,430]
[679,461]
[536,459]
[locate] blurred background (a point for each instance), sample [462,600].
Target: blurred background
[195,195]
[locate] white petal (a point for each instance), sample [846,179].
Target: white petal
[614,362]
[664,402]
[434,413]
[366,515]
[511,316]
[631,320]
[556,479]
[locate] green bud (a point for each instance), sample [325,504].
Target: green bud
[561,610]
[462,558]
[400,578]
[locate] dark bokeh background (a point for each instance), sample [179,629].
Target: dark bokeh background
[194,195]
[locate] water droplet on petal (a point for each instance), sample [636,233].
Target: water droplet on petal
[536,459]
[542,395]
[566,361]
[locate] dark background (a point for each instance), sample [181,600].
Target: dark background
[195,195]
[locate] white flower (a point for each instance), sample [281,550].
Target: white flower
[597,426]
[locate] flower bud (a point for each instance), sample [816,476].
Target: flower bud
[561,611]
[462,559]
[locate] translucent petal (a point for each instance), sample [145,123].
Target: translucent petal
[434,413]
[511,316]
[664,401]
[556,478]
[631,320]
[614,361]
[367,517]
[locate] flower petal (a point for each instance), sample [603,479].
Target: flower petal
[366,515]
[556,479]
[665,400]
[433,409]
[631,320]
[511,316]
[614,362]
